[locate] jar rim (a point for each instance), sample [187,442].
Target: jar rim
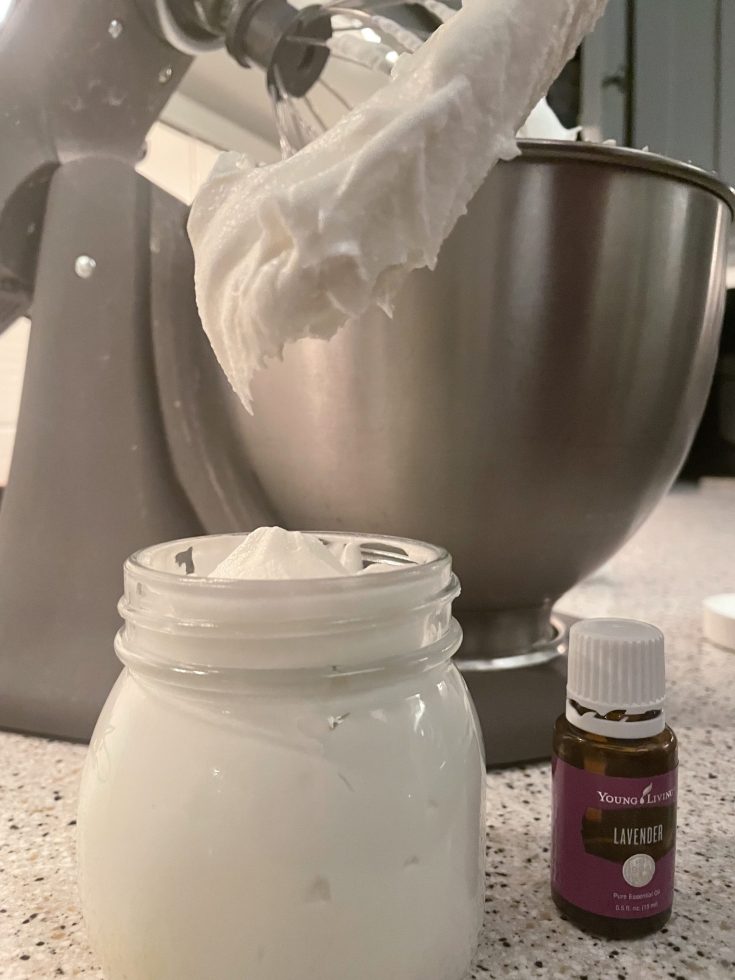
[259,623]
[141,562]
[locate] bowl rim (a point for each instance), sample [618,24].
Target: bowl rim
[626,157]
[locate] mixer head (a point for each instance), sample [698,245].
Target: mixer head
[319,60]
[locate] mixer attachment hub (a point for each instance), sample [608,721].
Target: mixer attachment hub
[272,34]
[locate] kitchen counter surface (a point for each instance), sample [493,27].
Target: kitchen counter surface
[685,552]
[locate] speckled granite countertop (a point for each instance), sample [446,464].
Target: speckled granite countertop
[684,553]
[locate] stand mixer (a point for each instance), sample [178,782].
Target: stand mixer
[527,408]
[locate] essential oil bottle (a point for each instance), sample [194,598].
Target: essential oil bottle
[614,769]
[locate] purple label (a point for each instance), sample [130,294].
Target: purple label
[613,841]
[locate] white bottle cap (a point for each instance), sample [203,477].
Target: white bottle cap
[718,620]
[616,664]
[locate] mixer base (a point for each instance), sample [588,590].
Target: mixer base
[519,697]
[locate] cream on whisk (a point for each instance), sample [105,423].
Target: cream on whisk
[302,247]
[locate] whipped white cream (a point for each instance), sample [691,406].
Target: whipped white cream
[544,124]
[272,553]
[302,247]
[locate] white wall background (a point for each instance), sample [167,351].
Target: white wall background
[13,347]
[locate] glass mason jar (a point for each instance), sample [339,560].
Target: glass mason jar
[287,780]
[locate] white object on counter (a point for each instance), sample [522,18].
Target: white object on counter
[718,620]
[287,780]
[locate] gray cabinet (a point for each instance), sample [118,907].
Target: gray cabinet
[661,73]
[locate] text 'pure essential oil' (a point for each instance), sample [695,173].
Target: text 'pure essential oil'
[614,789]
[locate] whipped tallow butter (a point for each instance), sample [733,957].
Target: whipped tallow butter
[272,553]
[287,781]
[301,247]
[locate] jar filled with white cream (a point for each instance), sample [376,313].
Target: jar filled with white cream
[287,780]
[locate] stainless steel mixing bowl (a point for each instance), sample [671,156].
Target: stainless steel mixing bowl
[533,397]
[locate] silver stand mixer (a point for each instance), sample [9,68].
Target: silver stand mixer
[527,408]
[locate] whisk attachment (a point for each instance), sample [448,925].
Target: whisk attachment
[365,40]
[319,60]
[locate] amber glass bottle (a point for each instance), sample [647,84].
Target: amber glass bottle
[614,770]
